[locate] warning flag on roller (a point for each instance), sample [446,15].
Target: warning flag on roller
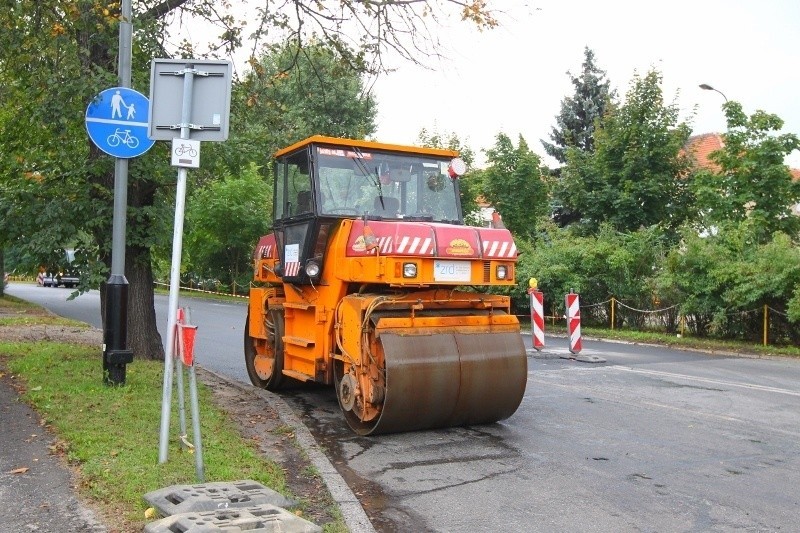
[573,322]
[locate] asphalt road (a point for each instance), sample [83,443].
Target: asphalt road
[652,440]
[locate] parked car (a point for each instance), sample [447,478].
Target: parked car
[60,274]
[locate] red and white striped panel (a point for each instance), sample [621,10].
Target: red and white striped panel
[265,247]
[497,244]
[385,245]
[291,269]
[574,322]
[414,245]
[537,318]
[396,238]
[499,250]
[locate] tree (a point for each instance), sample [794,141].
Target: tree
[291,93]
[575,124]
[718,278]
[514,185]
[752,183]
[55,55]
[224,220]
[636,176]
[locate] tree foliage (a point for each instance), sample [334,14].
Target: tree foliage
[291,93]
[514,184]
[636,176]
[753,182]
[223,221]
[575,123]
[56,55]
[718,279]
[597,267]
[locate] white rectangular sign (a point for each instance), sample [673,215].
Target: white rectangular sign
[452,271]
[185,153]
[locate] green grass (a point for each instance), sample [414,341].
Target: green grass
[112,433]
[695,343]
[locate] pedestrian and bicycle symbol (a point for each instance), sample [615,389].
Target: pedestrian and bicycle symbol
[116,121]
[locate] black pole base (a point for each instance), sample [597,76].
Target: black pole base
[115,350]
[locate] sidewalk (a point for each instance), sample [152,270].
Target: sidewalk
[41,498]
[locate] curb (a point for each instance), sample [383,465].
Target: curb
[352,512]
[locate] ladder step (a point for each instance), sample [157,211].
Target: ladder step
[298,341]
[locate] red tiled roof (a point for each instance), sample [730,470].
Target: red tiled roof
[700,147]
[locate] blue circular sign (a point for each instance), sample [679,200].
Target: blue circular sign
[116,121]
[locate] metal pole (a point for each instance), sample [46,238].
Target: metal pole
[612,313]
[115,334]
[174,279]
[195,407]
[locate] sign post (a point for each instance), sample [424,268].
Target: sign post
[117,133]
[201,90]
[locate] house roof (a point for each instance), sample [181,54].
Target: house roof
[699,147]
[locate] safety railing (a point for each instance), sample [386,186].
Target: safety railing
[764,322]
[237,291]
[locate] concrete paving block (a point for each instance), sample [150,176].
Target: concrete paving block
[256,519]
[178,499]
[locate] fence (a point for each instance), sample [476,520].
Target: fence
[763,324]
[237,291]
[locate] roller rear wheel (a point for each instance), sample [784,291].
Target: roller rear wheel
[264,357]
[428,381]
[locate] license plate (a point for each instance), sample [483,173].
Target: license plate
[452,271]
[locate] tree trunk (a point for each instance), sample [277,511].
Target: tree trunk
[3,272]
[143,336]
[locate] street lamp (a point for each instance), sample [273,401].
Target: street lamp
[707,87]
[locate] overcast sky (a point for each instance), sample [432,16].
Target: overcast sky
[512,79]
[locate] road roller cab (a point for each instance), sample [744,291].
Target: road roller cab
[366,284]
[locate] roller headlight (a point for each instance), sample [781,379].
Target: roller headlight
[502,271]
[409,270]
[312,269]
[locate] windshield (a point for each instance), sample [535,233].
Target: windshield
[385,185]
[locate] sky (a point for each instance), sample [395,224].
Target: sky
[513,78]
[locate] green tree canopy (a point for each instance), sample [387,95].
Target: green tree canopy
[753,182]
[56,55]
[514,184]
[224,220]
[575,123]
[637,175]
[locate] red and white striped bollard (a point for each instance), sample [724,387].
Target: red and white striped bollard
[573,322]
[537,318]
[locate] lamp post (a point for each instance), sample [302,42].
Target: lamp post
[707,87]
